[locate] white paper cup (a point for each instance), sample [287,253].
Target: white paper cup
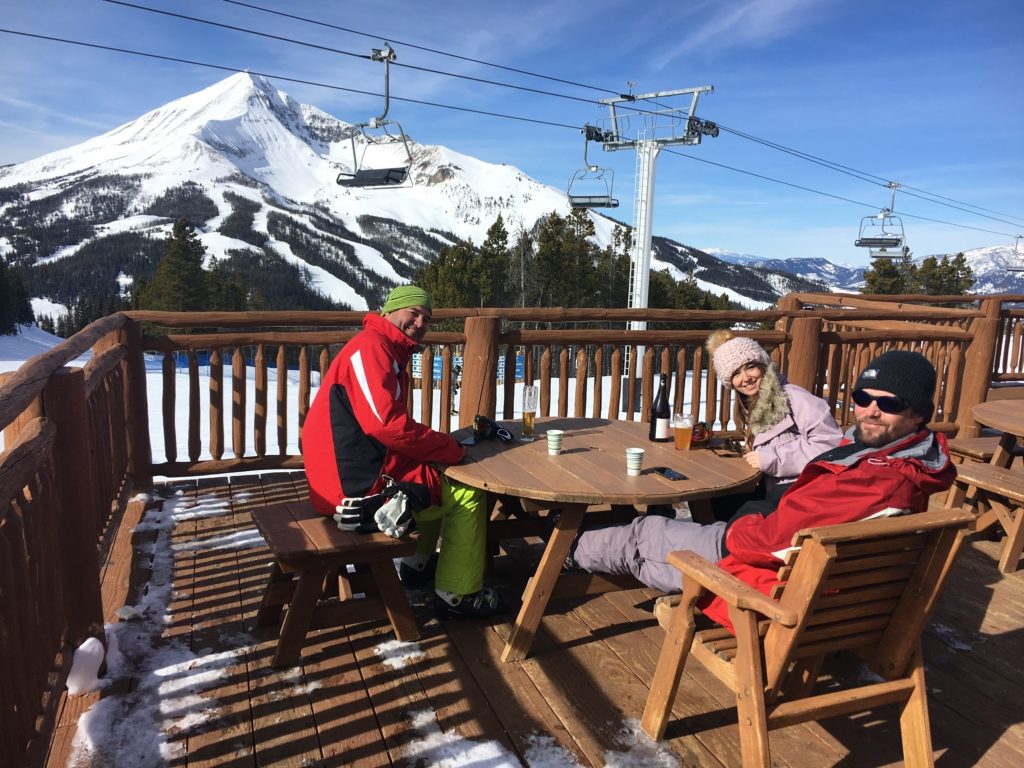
[554,437]
[634,461]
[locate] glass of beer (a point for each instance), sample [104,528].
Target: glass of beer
[529,411]
[682,429]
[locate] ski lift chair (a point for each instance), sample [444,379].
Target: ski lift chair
[364,177]
[588,178]
[1017,265]
[882,235]
[596,182]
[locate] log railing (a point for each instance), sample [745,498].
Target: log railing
[270,377]
[75,449]
[77,441]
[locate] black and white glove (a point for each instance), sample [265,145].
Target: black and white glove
[390,511]
[356,513]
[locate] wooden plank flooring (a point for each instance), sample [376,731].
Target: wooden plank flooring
[576,699]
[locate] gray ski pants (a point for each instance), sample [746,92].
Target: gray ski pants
[641,548]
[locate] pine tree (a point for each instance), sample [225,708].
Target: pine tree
[490,272]
[944,277]
[15,307]
[179,284]
[449,278]
[890,276]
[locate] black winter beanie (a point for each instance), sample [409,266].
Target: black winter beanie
[908,375]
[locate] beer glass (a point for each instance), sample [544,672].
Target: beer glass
[682,429]
[529,411]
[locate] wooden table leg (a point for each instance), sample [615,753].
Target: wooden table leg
[701,511]
[1003,454]
[538,591]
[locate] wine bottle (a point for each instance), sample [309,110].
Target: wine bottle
[661,429]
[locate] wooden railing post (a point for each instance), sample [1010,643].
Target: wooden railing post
[140,454]
[33,411]
[977,377]
[788,303]
[478,392]
[993,308]
[803,352]
[64,404]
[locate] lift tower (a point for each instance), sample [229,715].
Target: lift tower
[659,127]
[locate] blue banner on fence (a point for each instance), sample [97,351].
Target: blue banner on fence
[417,367]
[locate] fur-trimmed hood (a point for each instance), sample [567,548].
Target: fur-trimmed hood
[771,405]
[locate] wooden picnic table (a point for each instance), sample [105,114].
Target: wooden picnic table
[1008,417]
[996,490]
[589,473]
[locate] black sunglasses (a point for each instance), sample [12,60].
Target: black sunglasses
[886,403]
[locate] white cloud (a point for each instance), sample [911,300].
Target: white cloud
[751,22]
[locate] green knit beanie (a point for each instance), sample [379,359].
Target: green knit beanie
[407,296]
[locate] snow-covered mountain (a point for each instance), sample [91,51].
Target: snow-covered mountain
[255,171]
[845,277]
[990,269]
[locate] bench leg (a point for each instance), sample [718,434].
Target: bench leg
[269,612]
[298,617]
[392,594]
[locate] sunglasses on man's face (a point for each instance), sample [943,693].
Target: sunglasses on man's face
[886,403]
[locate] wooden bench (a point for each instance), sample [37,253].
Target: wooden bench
[996,494]
[977,448]
[309,552]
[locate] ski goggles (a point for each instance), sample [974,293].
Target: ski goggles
[485,429]
[886,403]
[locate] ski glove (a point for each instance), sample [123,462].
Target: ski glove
[390,511]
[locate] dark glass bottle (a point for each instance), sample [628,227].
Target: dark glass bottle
[661,424]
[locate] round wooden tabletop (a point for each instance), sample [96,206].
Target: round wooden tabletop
[1004,415]
[592,466]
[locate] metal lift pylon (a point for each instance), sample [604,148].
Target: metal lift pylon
[659,128]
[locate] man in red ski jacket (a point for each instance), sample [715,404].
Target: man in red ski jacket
[360,445]
[889,463]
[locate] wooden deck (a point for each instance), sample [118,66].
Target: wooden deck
[578,697]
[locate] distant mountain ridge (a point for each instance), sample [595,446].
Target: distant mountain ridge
[254,171]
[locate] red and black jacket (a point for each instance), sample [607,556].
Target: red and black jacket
[358,428]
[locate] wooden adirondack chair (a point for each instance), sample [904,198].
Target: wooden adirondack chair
[866,587]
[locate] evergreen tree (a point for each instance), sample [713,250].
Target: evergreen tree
[225,293]
[611,283]
[449,278]
[490,272]
[890,276]
[179,284]
[15,307]
[944,277]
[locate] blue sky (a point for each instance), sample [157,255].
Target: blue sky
[925,93]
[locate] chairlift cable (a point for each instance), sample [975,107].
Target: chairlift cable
[864,175]
[233,28]
[829,194]
[287,79]
[470,110]
[421,47]
[329,49]
[838,167]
